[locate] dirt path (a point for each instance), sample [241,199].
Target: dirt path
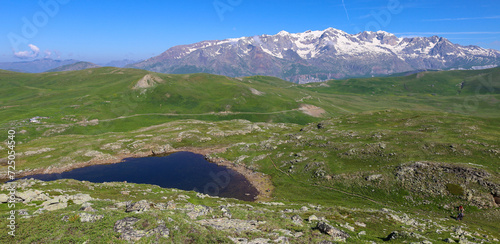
[200,114]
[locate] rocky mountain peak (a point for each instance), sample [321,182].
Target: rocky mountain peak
[317,55]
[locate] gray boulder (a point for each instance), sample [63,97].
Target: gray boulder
[139,206]
[226,212]
[337,234]
[80,198]
[86,217]
[312,218]
[54,204]
[87,208]
[28,195]
[199,210]
[296,219]
[4,198]
[402,235]
[126,228]
[237,225]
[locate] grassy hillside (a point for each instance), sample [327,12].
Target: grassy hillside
[108,95]
[418,145]
[76,66]
[468,92]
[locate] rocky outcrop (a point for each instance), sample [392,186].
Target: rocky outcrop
[399,235]
[139,206]
[337,234]
[125,227]
[86,217]
[236,225]
[196,211]
[147,81]
[449,179]
[128,232]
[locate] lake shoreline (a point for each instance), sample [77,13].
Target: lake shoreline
[261,182]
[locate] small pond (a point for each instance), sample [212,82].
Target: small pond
[181,170]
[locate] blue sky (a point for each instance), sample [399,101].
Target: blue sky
[101,31]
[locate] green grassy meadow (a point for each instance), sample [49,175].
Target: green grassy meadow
[419,145]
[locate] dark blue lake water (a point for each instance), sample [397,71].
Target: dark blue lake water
[181,170]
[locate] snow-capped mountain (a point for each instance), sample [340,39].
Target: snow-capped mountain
[319,55]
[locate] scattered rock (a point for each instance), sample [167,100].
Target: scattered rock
[337,234]
[282,240]
[139,206]
[239,240]
[199,210]
[347,226]
[449,240]
[122,204]
[171,205]
[86,217]
[360,224]
[53,204]
[237,225]
[256,92]
[87,208]
[296,219]
[273,203]
[313,218]
[80,198]
[201,195]
[182,197]
[125,227]
[39,211]
[374,177]
[27,195]
[4,198]
[254,241]
[226,212]
[402,235]
[259,241]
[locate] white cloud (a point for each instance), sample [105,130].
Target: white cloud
[34,48]
[47,54]
[28,54]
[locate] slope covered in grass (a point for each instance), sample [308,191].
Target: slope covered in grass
[389,147]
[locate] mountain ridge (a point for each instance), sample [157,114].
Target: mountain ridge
[36,66]
[75,66]
[319,55]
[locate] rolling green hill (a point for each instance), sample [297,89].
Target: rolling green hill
[438,83]
[112,95]
[412,146]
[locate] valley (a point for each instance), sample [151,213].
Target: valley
[372,159]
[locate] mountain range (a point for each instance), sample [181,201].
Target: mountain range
[53,65]
[320,55]
[35,66]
